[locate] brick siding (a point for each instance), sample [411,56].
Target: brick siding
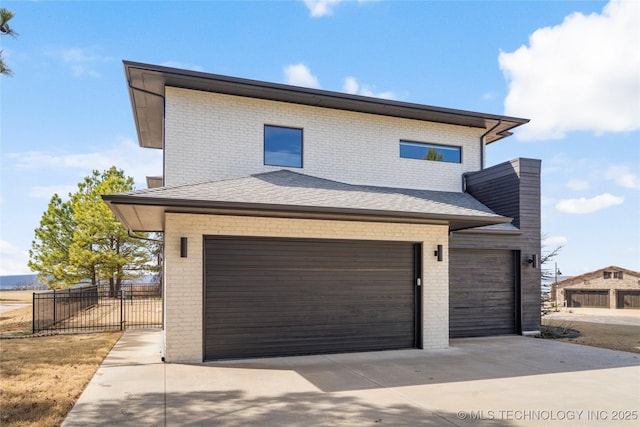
[184,276]
[213,136]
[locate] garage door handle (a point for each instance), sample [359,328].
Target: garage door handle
[418,282]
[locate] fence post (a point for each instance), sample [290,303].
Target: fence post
[54,306]
[33,313]
[121,309]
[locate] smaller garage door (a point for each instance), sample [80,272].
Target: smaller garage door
[587,298]
[628,299]
[481,293]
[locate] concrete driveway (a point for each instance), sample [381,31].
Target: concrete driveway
[503,381]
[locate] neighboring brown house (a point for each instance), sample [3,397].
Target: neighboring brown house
[610,287]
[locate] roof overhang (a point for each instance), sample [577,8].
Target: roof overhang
[148,215]
[147,84]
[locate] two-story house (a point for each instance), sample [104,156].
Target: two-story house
[303,221]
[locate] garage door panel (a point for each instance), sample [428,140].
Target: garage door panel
[481,293]
[587,298]
[629,299]
[270,297]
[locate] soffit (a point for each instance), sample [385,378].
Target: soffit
[147,82]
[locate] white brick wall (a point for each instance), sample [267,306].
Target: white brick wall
[184,276]
[212,136]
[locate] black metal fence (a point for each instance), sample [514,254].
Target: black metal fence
[95,308]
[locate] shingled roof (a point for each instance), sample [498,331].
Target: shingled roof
[290,194]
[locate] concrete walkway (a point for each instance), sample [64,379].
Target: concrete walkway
[503,381]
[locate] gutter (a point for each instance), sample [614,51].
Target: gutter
[482,144]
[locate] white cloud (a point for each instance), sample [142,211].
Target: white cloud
[579,75]
[125,155]
[319,8]
[81,60]
[300,75]
[12,260]
[577,184]
[352,86]
[555,241]
[47,191]
[623,177]
[488,96]
[584,205]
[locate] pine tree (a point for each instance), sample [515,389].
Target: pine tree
[6,30]
[97,247]
[49,254]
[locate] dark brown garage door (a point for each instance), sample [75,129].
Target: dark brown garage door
[629,299]
[274,297]
[590,298]
[481,293]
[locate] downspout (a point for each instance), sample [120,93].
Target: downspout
[482,144]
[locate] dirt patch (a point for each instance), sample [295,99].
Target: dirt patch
[614,337]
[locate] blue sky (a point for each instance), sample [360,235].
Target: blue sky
[572,67]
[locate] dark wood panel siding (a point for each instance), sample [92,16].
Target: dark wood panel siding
[628,299]
[584,298]
[482,299]
[274,297]
[488,186]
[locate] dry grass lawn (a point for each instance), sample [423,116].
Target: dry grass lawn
[42,377]
[614,337]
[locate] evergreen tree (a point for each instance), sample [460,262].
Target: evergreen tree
[97,247]
[5,30]
[49,254]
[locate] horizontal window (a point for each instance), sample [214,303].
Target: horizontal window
[437,153]
[282,146]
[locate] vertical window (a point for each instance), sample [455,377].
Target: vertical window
[433,152]
[282,146]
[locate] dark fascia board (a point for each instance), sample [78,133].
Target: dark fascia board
[147,82]
[457,222]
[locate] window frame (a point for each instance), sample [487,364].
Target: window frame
[431,145]
[264,145]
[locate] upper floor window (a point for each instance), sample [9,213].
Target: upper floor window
[618,275]
[435,152]
[282,146]
[606,274]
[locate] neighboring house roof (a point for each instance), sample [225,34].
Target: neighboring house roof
[294,195]
[147,88]
[597,274]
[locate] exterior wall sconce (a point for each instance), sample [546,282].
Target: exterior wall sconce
[533,260]
[438,253]
[183,247]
